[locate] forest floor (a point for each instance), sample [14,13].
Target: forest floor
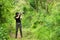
[27,35]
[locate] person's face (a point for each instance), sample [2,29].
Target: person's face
[18,14]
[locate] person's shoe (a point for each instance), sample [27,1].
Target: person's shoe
[16,37]
[21,36]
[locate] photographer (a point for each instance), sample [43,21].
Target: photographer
[18,24]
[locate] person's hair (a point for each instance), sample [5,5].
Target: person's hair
[17,13]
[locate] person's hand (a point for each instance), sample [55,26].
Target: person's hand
[21,17]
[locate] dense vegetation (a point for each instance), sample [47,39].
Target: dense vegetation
[40,21]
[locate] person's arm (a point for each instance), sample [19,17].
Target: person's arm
[17,17]
[21,17]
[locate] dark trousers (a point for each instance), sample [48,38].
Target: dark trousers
[18,25]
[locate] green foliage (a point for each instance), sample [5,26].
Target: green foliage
[5,19]
[4,32]
[42,25]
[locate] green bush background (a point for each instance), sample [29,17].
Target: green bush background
[40,21]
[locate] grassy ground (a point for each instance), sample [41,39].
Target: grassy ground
[27,35]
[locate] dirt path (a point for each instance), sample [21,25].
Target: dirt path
[12,35]
[27,35]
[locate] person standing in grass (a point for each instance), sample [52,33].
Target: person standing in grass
[18,24]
